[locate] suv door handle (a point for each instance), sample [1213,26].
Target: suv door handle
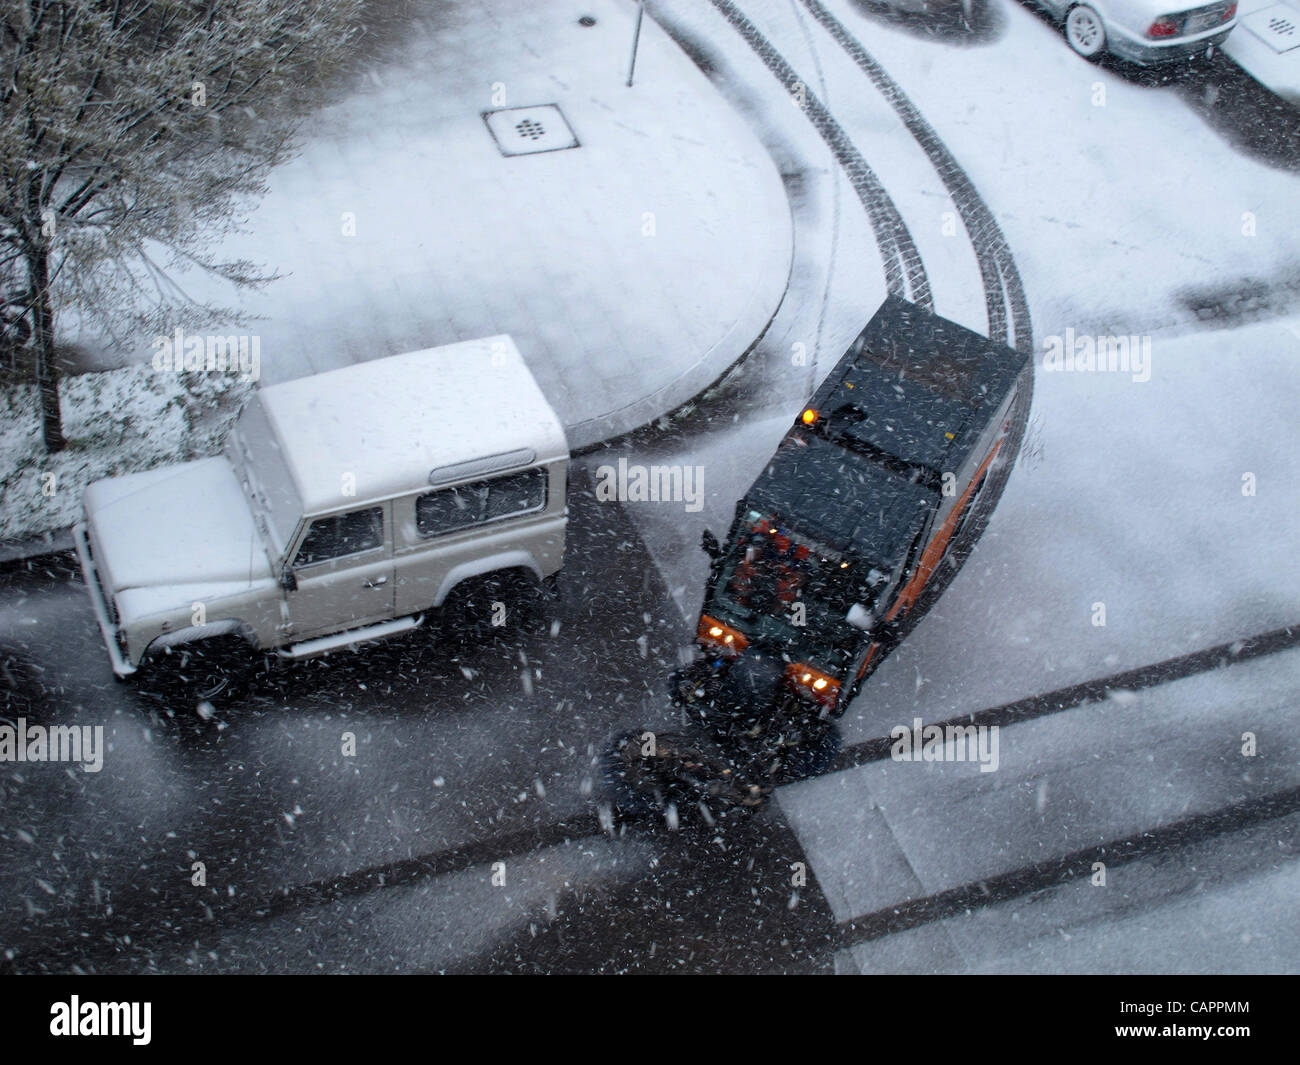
[376,583]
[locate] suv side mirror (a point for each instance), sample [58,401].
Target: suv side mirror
[710,544]
[288,579]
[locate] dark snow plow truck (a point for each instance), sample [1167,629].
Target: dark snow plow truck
[864,515]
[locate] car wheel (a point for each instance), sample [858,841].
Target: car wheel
[1084,31]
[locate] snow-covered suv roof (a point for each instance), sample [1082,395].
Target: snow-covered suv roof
[392,422]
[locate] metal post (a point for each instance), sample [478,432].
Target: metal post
[636,40]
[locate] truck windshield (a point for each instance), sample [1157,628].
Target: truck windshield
[785,587]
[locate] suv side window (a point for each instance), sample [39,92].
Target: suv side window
[451,509]
[517,494]
[340,535]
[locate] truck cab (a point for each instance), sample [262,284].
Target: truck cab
[343,507]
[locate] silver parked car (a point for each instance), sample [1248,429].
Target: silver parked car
[1147,32]
[345,506]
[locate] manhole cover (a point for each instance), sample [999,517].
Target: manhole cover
[1277,26]
[526,130]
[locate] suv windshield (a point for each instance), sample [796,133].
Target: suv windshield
[772,578]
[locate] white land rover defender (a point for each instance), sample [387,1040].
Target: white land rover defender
[345,505]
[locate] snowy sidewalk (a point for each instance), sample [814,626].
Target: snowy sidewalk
[632,268]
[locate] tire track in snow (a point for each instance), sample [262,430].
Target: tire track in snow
[1003,289]
[905,274]
[1089,691]
[1006,307]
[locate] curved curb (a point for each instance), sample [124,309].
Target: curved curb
[764,303]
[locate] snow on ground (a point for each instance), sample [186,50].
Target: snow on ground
[1133,498]
[727,462]
[453,745]
[1238,921]
[899,162]
[1226,905]
[1129,492]
[884,833]
[428,926]
[1121,197]
[888,831]
[632,269]
[116,421]
[1117,500]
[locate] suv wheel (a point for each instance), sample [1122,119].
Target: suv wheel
[209,671]
[495,605]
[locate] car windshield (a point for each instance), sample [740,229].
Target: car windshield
[782,586]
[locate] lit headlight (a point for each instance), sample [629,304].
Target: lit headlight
[714,634]
[812,683]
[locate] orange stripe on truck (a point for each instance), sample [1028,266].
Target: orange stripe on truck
[933,552]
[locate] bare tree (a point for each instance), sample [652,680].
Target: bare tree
[132,134]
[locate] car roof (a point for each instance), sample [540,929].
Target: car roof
[393,423]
